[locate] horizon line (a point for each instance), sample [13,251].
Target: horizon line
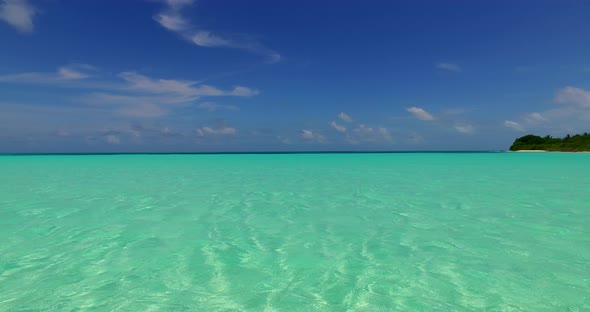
[251,153]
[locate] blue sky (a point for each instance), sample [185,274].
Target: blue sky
[204,75]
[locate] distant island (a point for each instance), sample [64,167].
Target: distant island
[569,143]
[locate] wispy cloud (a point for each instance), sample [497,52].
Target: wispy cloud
[69,73]
[203,131]
[132,94]
[573,96]
[571,114]
[158,131]
[61,75]
[209,40]
[345,117]
[464,128]
[361,133]
[311,135]
[243,91]
[18,14]
[143,83]
[173,19]
[211,106]
[142,106]
[284,140]
[338,127]
[449,67]
[534,117]
[446,119]
[420,113]
[513,125]
[191,89]
[127,134]
[364,134]
[86,125]
[112,139]
[155,97]
[307,134]
[384,132]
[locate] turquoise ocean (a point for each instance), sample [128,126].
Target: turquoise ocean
[296,232]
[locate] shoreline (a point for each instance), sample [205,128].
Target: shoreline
[544,151]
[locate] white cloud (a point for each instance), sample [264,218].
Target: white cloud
[134,94]
[210,106]
[420,113]
[118,133]
[61,75]
[573,96]
[464,128]
[181,87]
[209,40]
[513,125]
[572,114]
[449,67]
[338,127]
[69,73]
[384,132]
[18,14]
[112,139]
[243,91]
[534,117]
[177,4]
[172,22]
[146,100]
[172,18]
[312,136]
[345,117]
[307,134]
[364,134]
[273,57]
[219,131]
[284,140]
[206,90]
[137,131]
[362,129]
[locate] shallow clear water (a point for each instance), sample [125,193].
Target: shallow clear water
[306,232]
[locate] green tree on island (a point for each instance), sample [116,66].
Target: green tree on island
[575,143]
